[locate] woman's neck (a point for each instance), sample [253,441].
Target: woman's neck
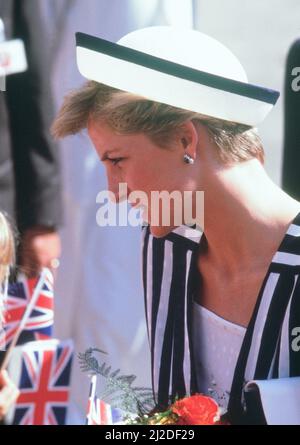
[246,216]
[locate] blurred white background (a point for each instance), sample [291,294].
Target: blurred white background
[259,33]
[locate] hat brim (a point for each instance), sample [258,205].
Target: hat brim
[170,83]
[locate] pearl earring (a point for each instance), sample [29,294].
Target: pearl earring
[188,159]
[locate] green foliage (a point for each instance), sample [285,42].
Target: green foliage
[119,390]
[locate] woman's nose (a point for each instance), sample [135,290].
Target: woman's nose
[118,188]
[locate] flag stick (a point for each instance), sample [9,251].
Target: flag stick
[91,399]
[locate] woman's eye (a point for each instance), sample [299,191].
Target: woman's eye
[115,161]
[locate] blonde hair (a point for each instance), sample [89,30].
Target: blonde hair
[7,255]
[127,113]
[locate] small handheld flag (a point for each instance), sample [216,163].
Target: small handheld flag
[99,412]
[38,323]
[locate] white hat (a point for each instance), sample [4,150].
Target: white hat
[179,67]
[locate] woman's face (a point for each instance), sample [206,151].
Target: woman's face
[144,166]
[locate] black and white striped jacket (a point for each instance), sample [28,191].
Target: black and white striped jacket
[169,278]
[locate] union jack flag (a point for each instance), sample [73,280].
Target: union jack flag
[44,383]
[99,412]
[40,322]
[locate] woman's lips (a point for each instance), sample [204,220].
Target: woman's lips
[142,208]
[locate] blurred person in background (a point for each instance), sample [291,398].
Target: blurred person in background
[29,164]
[291,153]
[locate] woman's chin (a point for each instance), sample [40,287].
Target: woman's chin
[161,231]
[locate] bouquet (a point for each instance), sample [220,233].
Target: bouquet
[197,409]
[137,403]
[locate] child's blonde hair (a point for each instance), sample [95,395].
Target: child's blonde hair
[7,255]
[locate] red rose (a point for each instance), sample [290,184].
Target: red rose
[196,410]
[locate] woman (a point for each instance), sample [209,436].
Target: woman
[8,391]
[220,311]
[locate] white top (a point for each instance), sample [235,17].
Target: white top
[217,343]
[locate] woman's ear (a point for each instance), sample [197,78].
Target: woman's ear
[189,138]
